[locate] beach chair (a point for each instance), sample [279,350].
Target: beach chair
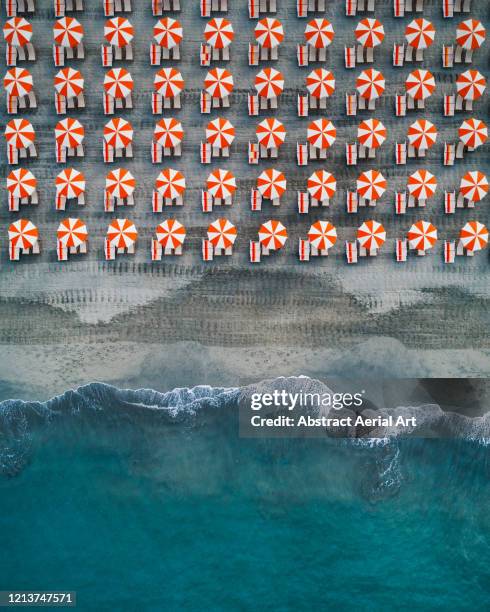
[301,154]
[253,104]
[351,252]
[398,54]
[352,202]
[400,203]
[303,202]
[304,250]
[447,56]
[400,105]
[255,200]
[303,105]
[207,250]
[400,153]
[302,55]
[449,202]
[449,251]
[351,154]
[351,104]
[253,54]
[449,154]
[401,250]
[206,201]
[254,252]
[350,57]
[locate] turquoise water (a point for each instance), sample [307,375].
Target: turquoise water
[135,509]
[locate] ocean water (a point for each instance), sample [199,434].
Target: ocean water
[149,501]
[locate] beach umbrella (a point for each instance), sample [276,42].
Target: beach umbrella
[220,133]
[422,134]
[322,235]
[371,133]
[222,234]
[272,235]
[221,183]
[168,133]
[320,83]
[121,233]
[370,84]
[70,183]
[19,133]
[218,82]
[23,234]
[420,84]
[473,133]
[319,33]
[422,184]
[118,31]
[170,183]
[474,186]
[369,32]
[271,133]
[371,185]
[118,133]
[271,184]
[118,83]
[171,234]
[21,183]
[269,32]
[168,82]
[269,83]
[371,235]
[120,183]
[68,32]
[470,84]
[17,31]
[219,32]
[69,82]
[420,33]
[422,236]
[474,236]
[321,133]
[168,33]
[72,232]
[321,185]
[470,34]
[18,82]
[69,133]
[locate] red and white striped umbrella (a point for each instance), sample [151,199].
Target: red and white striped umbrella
[321,133]
[118,31]
[221,183]
[422,236]
[21,183]
[168,33]
[72,232]
[220,133]
[321,185]
[320,83]
[219,83]
[68,32]
[371,185]
[69,133]
[470,34]
[171,234]
[420,33]
[118,83]
[168,133]
[18,82]
[322,235]
[170,183]
[369,32]
[222,234]
[219,32]
[70,183]
[19,133]
[370,84]
[371,235]
[269,32]
[118,133]
[17,31]
[271,184]
[169,82]
[269,83]
[120,183]
[272,235]
[69,82]
[121,233]
[319,33]
[422,184]
[473,133]
[474,186]
[422,134]
[371,133]
[470,84]
[271,133]
[420,84]
[474,236]
[23,234]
